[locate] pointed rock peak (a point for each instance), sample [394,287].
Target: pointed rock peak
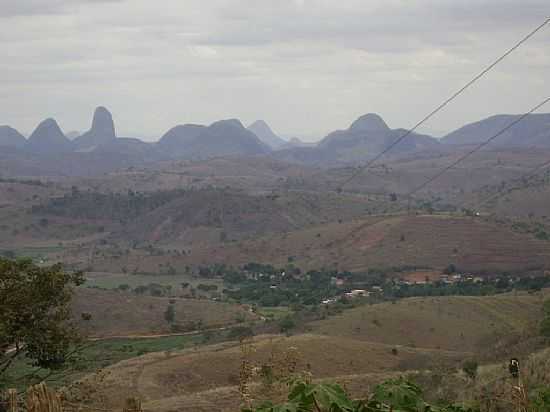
[370,122]
[102,123]
[49,125]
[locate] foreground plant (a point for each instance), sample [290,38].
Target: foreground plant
[391,396]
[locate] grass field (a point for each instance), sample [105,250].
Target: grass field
[192,380]
[96,355]
[452,323]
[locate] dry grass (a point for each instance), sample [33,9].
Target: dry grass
[452,323]
[189,379]
[122,314]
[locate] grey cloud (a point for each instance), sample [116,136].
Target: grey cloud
[12,8]
[287,60]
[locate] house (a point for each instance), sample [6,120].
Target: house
[355,293]
[336,281]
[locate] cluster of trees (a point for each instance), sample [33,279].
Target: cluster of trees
[284,288]
[502,284]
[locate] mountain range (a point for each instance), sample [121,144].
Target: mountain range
[365,137]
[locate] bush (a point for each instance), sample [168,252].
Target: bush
[470,368]
[286,324]
[545,327]
[240,332]
[170,314]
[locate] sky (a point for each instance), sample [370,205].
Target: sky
[307,67]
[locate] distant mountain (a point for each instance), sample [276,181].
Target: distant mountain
[296,142]
[73,134]
[369,135]
[48,138]
[131,150]
[222,138]
[175,140]
[533,131]
[102,131]
[261,129]
[9,137]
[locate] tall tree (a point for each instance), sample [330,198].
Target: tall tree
[35,314]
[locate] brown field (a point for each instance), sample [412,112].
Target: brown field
[123,314]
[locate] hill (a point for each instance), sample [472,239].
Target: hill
[358,348]
[261,129]
[9,137]
[48,138]
[175,140]
[450,323]
[533,131]
[126,314]
[191,380]
[223,138]
[369,135]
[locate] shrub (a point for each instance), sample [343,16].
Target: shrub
[545,327]
[286,324]
[170,314]
[470,368]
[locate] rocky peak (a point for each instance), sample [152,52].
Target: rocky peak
[102,123]
[370,122]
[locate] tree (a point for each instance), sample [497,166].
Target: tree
[286,324]
[449,270]
[170,314]
[35,308]
[470,368]
[545,327]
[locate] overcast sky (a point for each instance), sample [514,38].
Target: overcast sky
[305,66]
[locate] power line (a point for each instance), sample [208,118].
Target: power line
[442,105]
[478,147]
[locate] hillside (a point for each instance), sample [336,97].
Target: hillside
[126,314]
[459,323]
[383,241]
[359,348]
[261,129]
[9,137]
[48,138]
[192,381]
[534,131]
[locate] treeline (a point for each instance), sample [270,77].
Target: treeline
[97,205]
[501,284]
